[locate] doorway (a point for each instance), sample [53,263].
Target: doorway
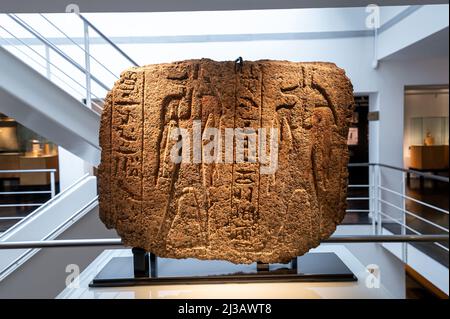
[358,147]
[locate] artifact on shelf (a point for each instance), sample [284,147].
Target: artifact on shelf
[36,149]
[429,139]
[242,161]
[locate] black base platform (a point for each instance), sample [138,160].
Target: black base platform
[311,267]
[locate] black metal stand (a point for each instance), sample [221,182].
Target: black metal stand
[294,264]
[140,263]
[264,267]
[260,267]
[144,264]
[143,269]
[153,265]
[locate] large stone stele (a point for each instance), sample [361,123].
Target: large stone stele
[229,210]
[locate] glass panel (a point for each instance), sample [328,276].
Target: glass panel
[445,129]
[429,131]
[416,131]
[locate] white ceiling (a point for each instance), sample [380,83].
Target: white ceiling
[138,27]
[36,6]
[434,46]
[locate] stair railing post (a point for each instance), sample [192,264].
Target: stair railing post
[372,198]
[87,61]
[52,184]
[404,245]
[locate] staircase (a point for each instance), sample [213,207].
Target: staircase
[47,109]
[57,95]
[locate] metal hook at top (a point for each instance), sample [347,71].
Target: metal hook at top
[239,63]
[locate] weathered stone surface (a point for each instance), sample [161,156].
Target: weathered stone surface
[225,210]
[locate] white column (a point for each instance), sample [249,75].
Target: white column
[71,168]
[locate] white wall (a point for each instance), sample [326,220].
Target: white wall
[390,80]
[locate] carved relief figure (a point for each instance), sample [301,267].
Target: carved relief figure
[226,208]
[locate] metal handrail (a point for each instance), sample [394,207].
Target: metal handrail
[39,63]
[52,190]
[34,213]
[414,215]
[118,242]
[406,170]
[358,186]
[45,59]
[49,44]
[411,229]
[414,200]
[21,205]
[12,217]
[25,193]
[17,262]
[38,170]
[358,164]
[76,44]
[55,48]
[48,61]
[411,171]
[375,190]
[88,56]
[126,56]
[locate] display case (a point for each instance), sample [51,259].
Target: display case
[429,143]
[23,149]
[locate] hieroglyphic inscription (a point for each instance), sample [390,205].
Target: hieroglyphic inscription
[226,208]
[244,217]
[126,150]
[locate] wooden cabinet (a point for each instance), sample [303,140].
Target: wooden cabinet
[9,161]
[433,157]
[37,162]
[17,161]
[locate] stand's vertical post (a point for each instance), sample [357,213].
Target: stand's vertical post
[153,266]
[140,262]
[260,266]
[294,264]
